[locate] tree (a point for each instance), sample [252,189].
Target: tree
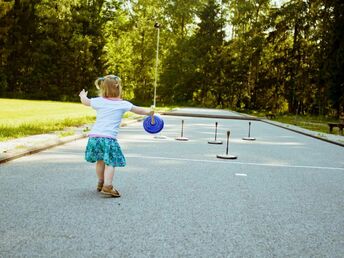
[334,65]
[6,22]
[217,53]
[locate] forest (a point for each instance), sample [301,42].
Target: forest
[239,54]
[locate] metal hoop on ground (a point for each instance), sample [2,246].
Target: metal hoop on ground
[215,141]
[227,156]
[249,138]
[182,138]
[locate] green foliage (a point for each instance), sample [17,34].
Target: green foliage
[52,49]
[232,54]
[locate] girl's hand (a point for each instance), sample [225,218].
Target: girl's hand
[83,93]
[83,98]
[151,113]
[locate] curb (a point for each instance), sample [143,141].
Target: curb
[52,143]
[8,157]
[242,117]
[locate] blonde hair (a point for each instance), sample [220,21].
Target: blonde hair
[109,86]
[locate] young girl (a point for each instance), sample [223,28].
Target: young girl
[102,146]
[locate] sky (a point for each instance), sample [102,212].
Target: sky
[278,2]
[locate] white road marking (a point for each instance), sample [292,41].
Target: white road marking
[235,162]
[238,174]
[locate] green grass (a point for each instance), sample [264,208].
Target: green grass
[20,118]
[314,123]
[66,133]
[310,122]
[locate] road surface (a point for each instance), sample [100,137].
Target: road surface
[282,197]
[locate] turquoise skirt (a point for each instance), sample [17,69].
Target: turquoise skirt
[106,149]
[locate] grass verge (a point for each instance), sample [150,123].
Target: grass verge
[313,123]
[21,118]
[310,122]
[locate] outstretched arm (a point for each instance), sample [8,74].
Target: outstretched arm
[84,99]
[142,111]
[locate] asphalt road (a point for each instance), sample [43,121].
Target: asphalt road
[282,197]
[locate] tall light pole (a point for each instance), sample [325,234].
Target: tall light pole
[157,26]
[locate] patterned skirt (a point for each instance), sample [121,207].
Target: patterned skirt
[106,149]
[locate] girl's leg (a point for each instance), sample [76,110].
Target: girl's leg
[100,166]
[108,175]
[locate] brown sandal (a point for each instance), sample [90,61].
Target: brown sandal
[109,190]
[100,185]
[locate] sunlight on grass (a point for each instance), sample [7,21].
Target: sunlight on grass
[16,112]
[21,118]
[66,133]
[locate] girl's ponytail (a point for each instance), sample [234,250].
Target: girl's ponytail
[98,81]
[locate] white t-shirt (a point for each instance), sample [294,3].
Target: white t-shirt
[109,116]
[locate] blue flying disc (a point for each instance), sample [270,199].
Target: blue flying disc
[151,127]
